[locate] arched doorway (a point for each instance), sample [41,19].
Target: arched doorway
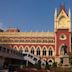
[63,50]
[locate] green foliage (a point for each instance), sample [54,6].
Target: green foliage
[47,65]
[54,64]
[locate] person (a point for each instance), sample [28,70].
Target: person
[65,49]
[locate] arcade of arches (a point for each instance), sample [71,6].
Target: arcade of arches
[44,52]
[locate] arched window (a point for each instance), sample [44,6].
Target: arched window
[26,49]
[38,51]
[50,62]
[50,52]
[44,52]
[21,50]
[15,47]
[32,50]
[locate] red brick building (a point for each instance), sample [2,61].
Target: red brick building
[50,46]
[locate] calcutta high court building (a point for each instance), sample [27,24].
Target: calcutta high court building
[49,46]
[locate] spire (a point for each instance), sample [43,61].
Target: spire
[69,13]
[62,7]
[55,15]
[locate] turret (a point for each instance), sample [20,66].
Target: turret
[55,16]
[69,13]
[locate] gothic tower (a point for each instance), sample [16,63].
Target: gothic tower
[62,28]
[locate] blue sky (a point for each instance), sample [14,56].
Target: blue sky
[30,15]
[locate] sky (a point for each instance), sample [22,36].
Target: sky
[30,15]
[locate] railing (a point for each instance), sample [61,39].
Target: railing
[11,53]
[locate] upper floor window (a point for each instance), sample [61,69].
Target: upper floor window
[50,52]
[26,49]
[44,52]
[38,51]
[32,50]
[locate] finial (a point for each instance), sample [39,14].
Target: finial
[69,13]
[55,15]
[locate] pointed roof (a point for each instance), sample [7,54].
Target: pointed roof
[62,7]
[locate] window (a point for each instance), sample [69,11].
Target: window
[50,52]
[38,51]
[44,52]
[0,48]
[26,49]
[50,62]
[63,49]
[62,37]
[21,50]
[32,50]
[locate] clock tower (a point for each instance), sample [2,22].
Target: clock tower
[62,19]
[62,28]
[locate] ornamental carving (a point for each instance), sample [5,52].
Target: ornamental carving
[26,40]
